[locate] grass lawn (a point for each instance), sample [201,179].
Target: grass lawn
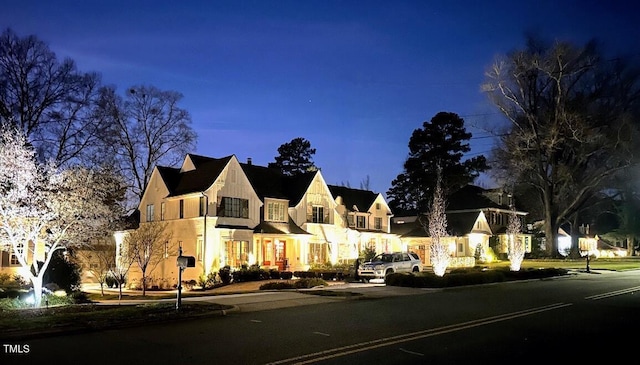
[617,264]
[93,317]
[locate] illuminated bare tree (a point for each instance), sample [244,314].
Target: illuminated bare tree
[572,116]
[149,245]
[124,259]
[438,250]
[44,209]
[516,247]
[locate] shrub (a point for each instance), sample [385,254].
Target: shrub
[206,282]
[277,285]
[468,276]
[13,303]
[63,271]
[225,274]
[189,284]
[274,274]
[309,283]
[8,281]
[286,275]
[253,273]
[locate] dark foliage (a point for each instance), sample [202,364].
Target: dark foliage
[474,276]
[443,141]
[63,272]
[295,157]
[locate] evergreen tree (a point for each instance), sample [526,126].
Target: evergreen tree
[295,157]
[443,141]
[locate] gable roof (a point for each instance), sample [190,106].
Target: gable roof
[361,199]
[193,181]
[289,227]
[458,225]
[170,176]
[410,228]
[472,197]
[461,224]
[271,183]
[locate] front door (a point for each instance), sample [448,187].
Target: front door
[280,254]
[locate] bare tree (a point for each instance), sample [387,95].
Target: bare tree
[99,259]
[365,184]
[124,259]
[44,209]
[573,124]
[149,245]
[51,102]
[438,250]
[148,128]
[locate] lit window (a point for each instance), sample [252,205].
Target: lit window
[149,212]
[350,220]
[237,253]
[276,212]
[199,249]
[234,207]
[317,253]
[317,214]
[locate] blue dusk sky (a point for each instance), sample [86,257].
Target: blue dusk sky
[355,78]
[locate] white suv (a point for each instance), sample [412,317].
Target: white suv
[388,263]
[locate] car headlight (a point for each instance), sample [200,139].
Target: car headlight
[378,267]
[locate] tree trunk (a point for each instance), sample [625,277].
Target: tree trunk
[37,290]
[630,250]
[144,285]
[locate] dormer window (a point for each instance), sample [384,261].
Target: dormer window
[276,212]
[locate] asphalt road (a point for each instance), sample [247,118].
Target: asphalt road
[582,318]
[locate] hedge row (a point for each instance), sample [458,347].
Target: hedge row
[324,275]
[250,274]
[298,284]
[468,277]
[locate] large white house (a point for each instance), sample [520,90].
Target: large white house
[227,213]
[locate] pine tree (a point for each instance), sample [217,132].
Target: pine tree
[295,157]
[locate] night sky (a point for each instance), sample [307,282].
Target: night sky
[355,78]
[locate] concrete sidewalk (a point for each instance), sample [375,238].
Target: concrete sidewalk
[247,297]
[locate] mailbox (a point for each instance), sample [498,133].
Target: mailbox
[186,261]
